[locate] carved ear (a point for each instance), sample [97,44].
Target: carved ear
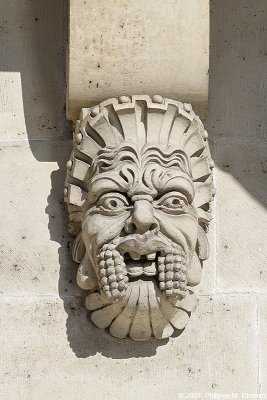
[86,277]
[202,246]
[78,250]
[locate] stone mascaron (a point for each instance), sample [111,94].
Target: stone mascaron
[138,190]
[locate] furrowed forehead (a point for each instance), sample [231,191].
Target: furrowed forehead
[152,179]
[150,170]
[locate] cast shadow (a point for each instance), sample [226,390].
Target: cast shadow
[237,117]
[33,38]
[237,73]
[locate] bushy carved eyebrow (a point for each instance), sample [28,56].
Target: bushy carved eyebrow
[178,184]
[166,181]
[105,183]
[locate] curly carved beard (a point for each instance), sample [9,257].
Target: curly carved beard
[117,269]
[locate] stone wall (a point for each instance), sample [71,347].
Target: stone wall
[49,349]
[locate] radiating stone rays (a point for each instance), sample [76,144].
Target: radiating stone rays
[144,312]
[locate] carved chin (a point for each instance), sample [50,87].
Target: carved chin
[124,261]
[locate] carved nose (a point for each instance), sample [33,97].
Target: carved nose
[142,219]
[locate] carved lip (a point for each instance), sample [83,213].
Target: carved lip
[144,247]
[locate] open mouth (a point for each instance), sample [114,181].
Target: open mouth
[138,265]
[132,259]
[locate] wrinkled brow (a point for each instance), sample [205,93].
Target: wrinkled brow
[157,182]
[150,170]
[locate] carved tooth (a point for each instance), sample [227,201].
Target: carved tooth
[151,256]
[150,269]
[134,256]
[135,271]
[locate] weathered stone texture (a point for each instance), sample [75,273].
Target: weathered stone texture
[262,345]
[238,73]
[35,256]
[32,63]
[241,215]
[45,351]
[148,47]
[42,359]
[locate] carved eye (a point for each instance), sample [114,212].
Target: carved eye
[172,202]
[113,201]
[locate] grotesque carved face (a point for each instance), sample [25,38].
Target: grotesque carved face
[140,222]
[139,214]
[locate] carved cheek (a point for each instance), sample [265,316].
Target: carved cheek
[181,229]
[99,229]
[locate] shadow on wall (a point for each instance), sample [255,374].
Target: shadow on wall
[33,38]
[238,69]
[238,91]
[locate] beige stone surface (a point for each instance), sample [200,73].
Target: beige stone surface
[237,89]
[138,47]
[262,348]
[35,254]
[54,352]
[241,215]
[32,64]
[43,358]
